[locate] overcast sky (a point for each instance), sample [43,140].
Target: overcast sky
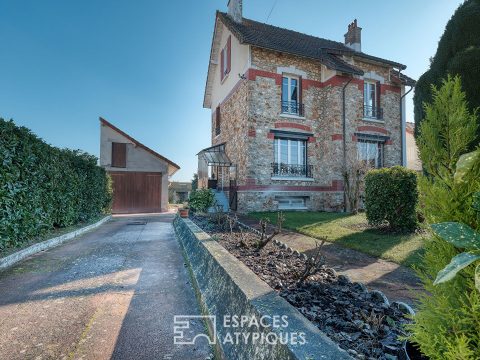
[142,64]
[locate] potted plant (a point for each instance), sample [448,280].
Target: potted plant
[184,211]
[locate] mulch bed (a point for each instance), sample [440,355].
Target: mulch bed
[358,320]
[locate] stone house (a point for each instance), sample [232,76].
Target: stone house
[413,160]
[139,174]
[289,110]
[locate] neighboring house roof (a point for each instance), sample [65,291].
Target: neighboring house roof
[410,127]
[180,186]
[171,164]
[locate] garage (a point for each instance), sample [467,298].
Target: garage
[136,192]
[139,174]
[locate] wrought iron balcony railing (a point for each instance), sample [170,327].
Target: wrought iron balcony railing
[292,108]
[372,112]
[292,170]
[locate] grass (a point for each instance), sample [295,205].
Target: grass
[352,231]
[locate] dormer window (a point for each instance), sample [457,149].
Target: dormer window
[226,59]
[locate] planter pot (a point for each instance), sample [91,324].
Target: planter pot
[411,352]
[183,213]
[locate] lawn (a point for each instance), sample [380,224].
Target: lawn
[352,231]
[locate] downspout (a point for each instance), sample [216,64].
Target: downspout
[344,137]
[403,127]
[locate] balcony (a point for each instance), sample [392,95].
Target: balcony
[372,112]
[292,108]
[291,170]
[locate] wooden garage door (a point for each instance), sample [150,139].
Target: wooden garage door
[136,192]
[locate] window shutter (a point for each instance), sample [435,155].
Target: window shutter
[378,89]
[222,70]
[119,155]
[300,96]
[229,54]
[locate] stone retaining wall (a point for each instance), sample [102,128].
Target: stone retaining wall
[226,287]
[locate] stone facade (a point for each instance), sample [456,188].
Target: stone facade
[251,114]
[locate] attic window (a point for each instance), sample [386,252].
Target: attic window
[226,59]
[119,155]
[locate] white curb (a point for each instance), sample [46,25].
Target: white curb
[14,258]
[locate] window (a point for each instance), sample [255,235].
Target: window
[371,103]
[290,156]
[226,59]
[291,95]
[371,152]
[119,155]
[217,121]
[291,202]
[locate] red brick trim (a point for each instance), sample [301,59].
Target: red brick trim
[354,138]
[252,132]
[336,80]
[385,87]
[336,185]
[311,139]
[372,128]
[234,89]
[389,142]
[253,73]
[292,126]
[270,135]
[337,137]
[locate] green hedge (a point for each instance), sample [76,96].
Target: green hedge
[43,187]
[391,197]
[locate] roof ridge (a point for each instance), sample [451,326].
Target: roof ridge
[136,142]
[293,31]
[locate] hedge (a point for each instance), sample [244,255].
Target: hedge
[391,197]
[43,187]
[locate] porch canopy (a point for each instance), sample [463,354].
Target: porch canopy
[215,155]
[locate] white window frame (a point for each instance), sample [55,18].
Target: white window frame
[292,203]
[379,156]
[369,114]
[303,156]
[294,111]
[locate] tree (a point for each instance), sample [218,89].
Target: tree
[458,53]
[447,132]
[195,182]
[446,323]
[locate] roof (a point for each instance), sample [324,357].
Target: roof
[402,78]
[215,155]
[288,41]
[139,144]
[180,186]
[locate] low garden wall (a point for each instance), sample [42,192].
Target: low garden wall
[228,290]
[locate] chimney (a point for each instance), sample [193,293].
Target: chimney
[235,10]
[353,37]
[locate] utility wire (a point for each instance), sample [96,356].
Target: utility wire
[270,13]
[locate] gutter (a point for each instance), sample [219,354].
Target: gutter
[403,127]
[344,135]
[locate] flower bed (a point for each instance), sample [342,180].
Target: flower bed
[361,322]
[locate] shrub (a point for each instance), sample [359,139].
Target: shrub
[43,187]
[447,322]
[391,196]
[201,199]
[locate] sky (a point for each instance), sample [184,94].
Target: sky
[142,64]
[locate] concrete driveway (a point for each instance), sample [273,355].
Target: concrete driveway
[111,293]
